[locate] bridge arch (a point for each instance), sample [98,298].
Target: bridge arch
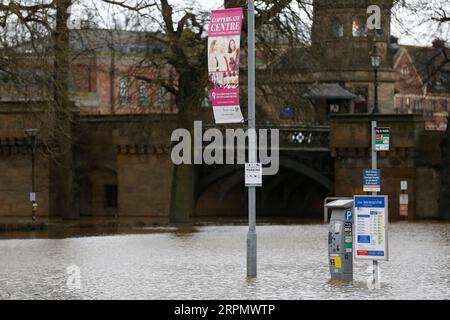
[222,189]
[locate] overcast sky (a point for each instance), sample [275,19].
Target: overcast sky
[409,29]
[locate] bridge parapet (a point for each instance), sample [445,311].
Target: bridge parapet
[293,138]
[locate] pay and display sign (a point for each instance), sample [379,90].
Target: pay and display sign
[370,227]
[382,138]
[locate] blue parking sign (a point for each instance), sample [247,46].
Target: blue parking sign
[371,180]
[348,215]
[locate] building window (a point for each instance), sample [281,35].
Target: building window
[157,50]
[404,72]
[434,106]
[416,105]
[359,27]
[111,196]
[379,33]
[361,105]
[444,105]
[143,93]
[162,97]
[338,28]
[430,109]
[408,105]
[123,92]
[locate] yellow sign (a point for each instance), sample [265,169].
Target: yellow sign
[336,262]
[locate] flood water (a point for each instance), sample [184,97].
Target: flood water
[208,262]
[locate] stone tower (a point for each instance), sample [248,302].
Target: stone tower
[341,45]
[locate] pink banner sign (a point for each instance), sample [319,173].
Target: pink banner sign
[223,64]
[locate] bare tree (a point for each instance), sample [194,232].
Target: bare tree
[41,46]
[185,42]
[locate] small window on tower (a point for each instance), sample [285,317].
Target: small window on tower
[359,27]
[379,33]
[338,28]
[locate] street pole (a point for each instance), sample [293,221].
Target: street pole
[33,178]
[375,109]
[32,134]
[374,158]
[374,167]
[251,235]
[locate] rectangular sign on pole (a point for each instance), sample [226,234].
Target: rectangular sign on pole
[404,185]
[223,64]
[404,204]
[253,174]
[382,139]
[370,227]
[371,180]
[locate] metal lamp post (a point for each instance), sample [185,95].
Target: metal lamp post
[32,134]
[375,61]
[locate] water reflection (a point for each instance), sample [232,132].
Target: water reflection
[208,262]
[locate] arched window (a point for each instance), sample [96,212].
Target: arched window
[338,28]
[404,72]
[359,27]
[123,92]
[143,93]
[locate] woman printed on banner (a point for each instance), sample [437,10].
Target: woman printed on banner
[213,61]
[233,56]
[223,62]
[217,59]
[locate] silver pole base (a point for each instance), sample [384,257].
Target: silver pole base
[251,254]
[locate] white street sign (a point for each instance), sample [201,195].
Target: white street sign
[253,174]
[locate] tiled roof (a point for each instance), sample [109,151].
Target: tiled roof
[329,91]
[433,66]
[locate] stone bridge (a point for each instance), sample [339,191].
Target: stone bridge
[123,168]
[304,178]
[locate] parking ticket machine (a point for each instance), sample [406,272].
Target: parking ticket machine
[340,239]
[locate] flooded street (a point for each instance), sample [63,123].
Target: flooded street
[208,262]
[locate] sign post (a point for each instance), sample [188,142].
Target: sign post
[374,193]
[403,201]
[251,235]
[382,139]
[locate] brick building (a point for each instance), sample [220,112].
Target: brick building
[422,83]
[109,74]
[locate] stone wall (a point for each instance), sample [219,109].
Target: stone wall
[15,186]
[429,171]
[15,162]
[350,145]
[144,167]
[144,182]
